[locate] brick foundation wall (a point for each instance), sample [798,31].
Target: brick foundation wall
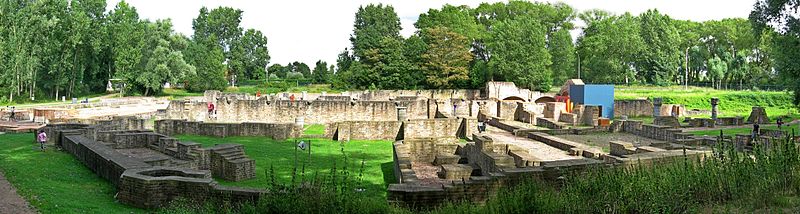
[276,131]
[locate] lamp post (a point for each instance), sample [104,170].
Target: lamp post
[579,63]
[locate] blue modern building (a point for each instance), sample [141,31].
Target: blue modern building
[594,95]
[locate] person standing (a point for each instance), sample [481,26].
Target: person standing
[42,138]
[210,110]
[12,118]
[755,133]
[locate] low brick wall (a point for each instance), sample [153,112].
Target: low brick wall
[431,128]
[548,123]
[155,187]
[730,121]
[363,130]
[101,159]
[566,145]
[278,131]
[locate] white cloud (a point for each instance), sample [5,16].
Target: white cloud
[310,30]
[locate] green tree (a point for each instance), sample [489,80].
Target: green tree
[562,49]
[609,50]
[249,55]
[717,68]
[321,74]
[661,55]
[207,57]
[447,57]
[163,60]
[278,70]
[372,24]
[519,53]
[128,35]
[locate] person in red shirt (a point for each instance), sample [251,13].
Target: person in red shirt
[210,109]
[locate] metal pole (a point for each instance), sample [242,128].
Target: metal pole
[579,64]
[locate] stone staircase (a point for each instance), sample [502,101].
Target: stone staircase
[229,162]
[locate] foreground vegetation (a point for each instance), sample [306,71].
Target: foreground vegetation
[759,181]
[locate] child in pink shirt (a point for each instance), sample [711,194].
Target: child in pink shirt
[42,138]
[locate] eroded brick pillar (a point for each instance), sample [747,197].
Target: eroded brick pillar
[657,101]
[714,103]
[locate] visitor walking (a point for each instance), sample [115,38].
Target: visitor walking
[756,130]
[42,138]
[210,110]
[779,122]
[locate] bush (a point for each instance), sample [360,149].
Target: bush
[294,75]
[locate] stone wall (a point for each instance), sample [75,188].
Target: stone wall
[670,121]
[758,115]
[157,186]
[730,121]
[363,130]
[275,131]
[229,162]
[431,128]
[101,159]
[633,108]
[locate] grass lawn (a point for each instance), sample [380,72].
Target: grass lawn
[734,131]
[732,103]
[55,182]
[378,171]
[314,129]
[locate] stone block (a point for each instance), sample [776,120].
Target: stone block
[455,172]
[620,148]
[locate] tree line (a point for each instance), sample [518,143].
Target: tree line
[529,43]
[53,48]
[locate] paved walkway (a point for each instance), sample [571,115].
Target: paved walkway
[535,148]
[10,201]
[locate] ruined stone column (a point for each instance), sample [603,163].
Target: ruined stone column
[401,113]
[657,101]
[714,103]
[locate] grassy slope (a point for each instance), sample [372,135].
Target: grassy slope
[53,181]
[732,103]
[377,157]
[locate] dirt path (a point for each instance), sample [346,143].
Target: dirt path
[10,201]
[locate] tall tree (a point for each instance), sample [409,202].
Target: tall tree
[609,48]
[250,55]
[163,60]
[372,24]
[128,35]
[207,57]
[519,53]
[781,16]
[321,74]
[447,58]
[660,59]
[562,49]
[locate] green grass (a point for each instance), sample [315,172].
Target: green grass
[378,171]
[253,89]
[314,129]
[53,181]
[732,103]
[175,94]
[735,131]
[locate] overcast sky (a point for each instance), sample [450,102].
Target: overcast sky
[310,30]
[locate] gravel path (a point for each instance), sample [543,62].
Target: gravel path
[10,201]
